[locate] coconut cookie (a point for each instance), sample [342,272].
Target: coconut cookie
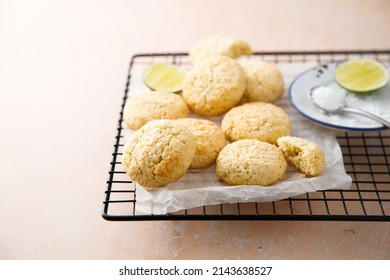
[153,105]
[158,153]
[251,162]
[214,85]
[264,81]
[209,140]
[258,120]
[219,45]
[305,155]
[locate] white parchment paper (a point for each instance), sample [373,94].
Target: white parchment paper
[202,187]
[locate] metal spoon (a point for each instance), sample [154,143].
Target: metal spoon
[344,109]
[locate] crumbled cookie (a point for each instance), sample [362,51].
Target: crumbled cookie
[305,155]
[251,162]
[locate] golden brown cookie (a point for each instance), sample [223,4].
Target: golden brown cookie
[209,140]
[264,81]
[251,162]
[305,155]
[158,153]
[153,105]
[219,45]
[214,85]
[258,120]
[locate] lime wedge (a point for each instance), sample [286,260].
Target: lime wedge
[164,77]
[362,76]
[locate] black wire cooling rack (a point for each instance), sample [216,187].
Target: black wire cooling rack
[366,159]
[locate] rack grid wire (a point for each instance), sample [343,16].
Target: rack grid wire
[366,159]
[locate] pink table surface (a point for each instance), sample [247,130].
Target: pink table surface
[63,66]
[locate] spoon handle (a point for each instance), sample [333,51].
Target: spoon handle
[368,115]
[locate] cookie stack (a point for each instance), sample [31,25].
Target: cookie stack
[167,144]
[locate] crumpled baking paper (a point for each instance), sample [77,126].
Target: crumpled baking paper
[202,187]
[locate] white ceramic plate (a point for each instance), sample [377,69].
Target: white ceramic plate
[377,102]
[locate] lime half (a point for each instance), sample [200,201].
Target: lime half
[362,76]
[164,77]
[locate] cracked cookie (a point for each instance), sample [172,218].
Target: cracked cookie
[251,162]
[258,120]
[264,82]
[158,153]
[209,140]
[219,45]
[214,85]
[153,105]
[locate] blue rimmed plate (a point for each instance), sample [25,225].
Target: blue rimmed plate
[377,102]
